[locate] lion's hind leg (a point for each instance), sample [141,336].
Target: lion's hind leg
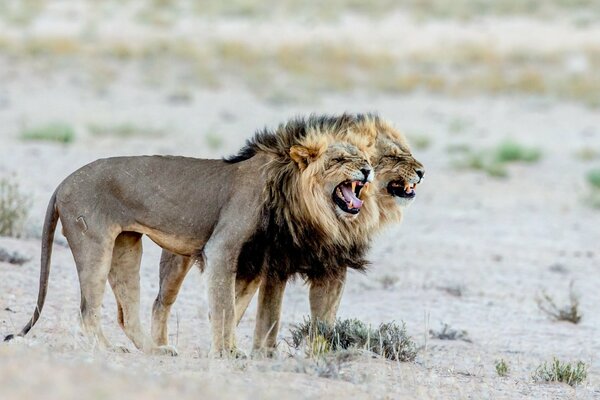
[93,259]
[124,278]
[173,270]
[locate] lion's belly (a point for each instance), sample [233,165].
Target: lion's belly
[184,246]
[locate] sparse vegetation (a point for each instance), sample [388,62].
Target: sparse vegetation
[124,131]
[53,132]
[447,333]
[494,161]
[388,281]
[314,66]
[593,197]
[419,141]
[453,290]
[502,368]
[568,313]
[510,151]
[213,140]
[557,371]
[389,340]
[593,178]
[587,154]
[13,209]
[13,257]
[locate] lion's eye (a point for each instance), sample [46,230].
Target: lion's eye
[339,160]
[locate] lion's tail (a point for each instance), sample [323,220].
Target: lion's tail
[47,240]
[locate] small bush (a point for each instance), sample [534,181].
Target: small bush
[419,142]
[53,132]
[447,333]
[213,140]
[556,371]
[389,340]
[568,313]
[13,209]
[587,154]
[593,178]
[502,368]
[510,151]
[493,161]
[125,130]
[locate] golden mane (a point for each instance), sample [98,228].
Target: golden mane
[301,231]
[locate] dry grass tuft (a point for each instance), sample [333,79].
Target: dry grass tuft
[447,333]
[502,368]
[557,371]
[13,209]
[59,132]
[389,340]
[568,313]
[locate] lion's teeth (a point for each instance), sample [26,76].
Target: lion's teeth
[351,205]
[354,186]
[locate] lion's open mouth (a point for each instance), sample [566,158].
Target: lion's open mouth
[401,189]
[347,196]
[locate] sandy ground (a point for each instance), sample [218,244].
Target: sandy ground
[472,252]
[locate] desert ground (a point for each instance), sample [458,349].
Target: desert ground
[485,239]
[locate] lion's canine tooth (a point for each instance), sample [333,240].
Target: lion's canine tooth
[354,186]
[351,205]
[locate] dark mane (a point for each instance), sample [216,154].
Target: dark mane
[281,248]
[294,130]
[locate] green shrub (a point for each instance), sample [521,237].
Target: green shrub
[569,313]
[510,151]
[389,340]
[593,178]
[557,371]
[53,132]
[502,368]
[13,209]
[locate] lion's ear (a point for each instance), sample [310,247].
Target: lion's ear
[303,155]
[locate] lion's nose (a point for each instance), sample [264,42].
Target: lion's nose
[367,173]
[420,173]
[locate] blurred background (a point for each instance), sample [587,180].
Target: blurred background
[500,99]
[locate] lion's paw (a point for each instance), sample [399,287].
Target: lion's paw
[234,353]
[165,351]
[118,349]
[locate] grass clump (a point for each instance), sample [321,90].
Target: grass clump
[13,209]
[502,368]
[447,333]
[53,132]
[494,161]
[388,340]
[593,197]
[213,140]
[587,154]
[420,142]
[593,178]
[124,131]
[569,313]
[510,151]
[557,371]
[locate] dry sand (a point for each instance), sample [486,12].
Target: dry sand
[472,252]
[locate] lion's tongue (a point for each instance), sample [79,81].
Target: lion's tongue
[350,197]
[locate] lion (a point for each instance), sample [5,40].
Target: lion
[397,174]
[306,190]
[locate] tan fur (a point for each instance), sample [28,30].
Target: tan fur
[389,153]
[106,206]
[393,161]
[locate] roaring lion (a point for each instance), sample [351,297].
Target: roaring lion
[397,174]
[294,187]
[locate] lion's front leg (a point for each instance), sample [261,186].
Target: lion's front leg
[325,296]
[270,299]
[220,264]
